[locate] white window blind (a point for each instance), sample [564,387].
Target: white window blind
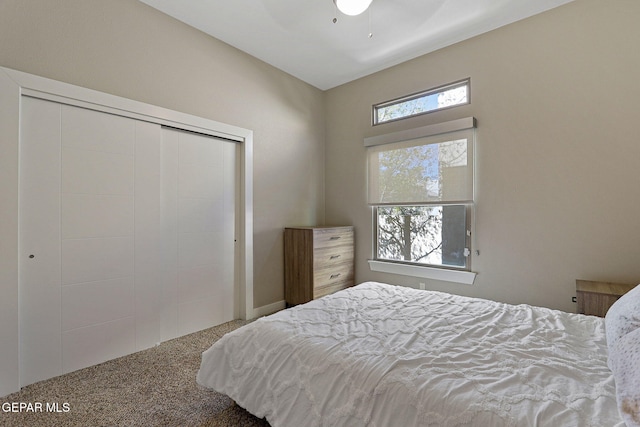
[434,169]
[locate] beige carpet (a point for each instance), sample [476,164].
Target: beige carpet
[155,387]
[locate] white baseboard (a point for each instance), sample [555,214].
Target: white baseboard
[266,310]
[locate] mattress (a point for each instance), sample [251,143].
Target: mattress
[384,355]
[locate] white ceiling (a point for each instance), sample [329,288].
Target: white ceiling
[300,38]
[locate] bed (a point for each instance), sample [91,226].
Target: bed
[384,355]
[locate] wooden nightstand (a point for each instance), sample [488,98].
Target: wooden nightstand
[595,298]
[317,261]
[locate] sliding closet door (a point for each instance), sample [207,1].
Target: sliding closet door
[199,197]
[89,246]
[123,236]
[39,242]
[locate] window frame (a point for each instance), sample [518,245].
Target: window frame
[449,273]
[422,94]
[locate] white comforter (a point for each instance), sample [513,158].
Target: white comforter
[383,355]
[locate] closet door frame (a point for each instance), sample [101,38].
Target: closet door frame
[16,84]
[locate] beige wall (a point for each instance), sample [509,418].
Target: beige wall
[558,153]
[126,48]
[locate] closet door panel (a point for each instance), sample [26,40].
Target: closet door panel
[40,274]
[95,131]
[97,172]
[226,297]
[88,260]
[97,239]
[148,233]
[169,221]
[86,216]
[197,315]
[199,181]
[203,204]
[198,249]
[198,215]
[96,302]
[98,343]
[196,282]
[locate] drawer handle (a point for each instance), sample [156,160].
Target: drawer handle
[334,237]
[334,256]
[334,276]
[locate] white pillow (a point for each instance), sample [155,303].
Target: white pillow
[624,361]
[623,317]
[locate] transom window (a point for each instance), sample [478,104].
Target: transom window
[434,99]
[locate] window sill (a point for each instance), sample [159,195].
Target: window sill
[465,277]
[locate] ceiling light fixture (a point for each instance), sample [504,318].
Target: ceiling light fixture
[352,7]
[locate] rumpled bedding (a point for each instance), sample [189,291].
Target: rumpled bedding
[384,355]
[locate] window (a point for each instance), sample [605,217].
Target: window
[433,235]
[420,185]
[430,100]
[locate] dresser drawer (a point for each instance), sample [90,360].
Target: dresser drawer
[332,237]
[331,256]
[329,289]
[334,274]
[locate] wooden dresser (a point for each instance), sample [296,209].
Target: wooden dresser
[595,298]
[317,261]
